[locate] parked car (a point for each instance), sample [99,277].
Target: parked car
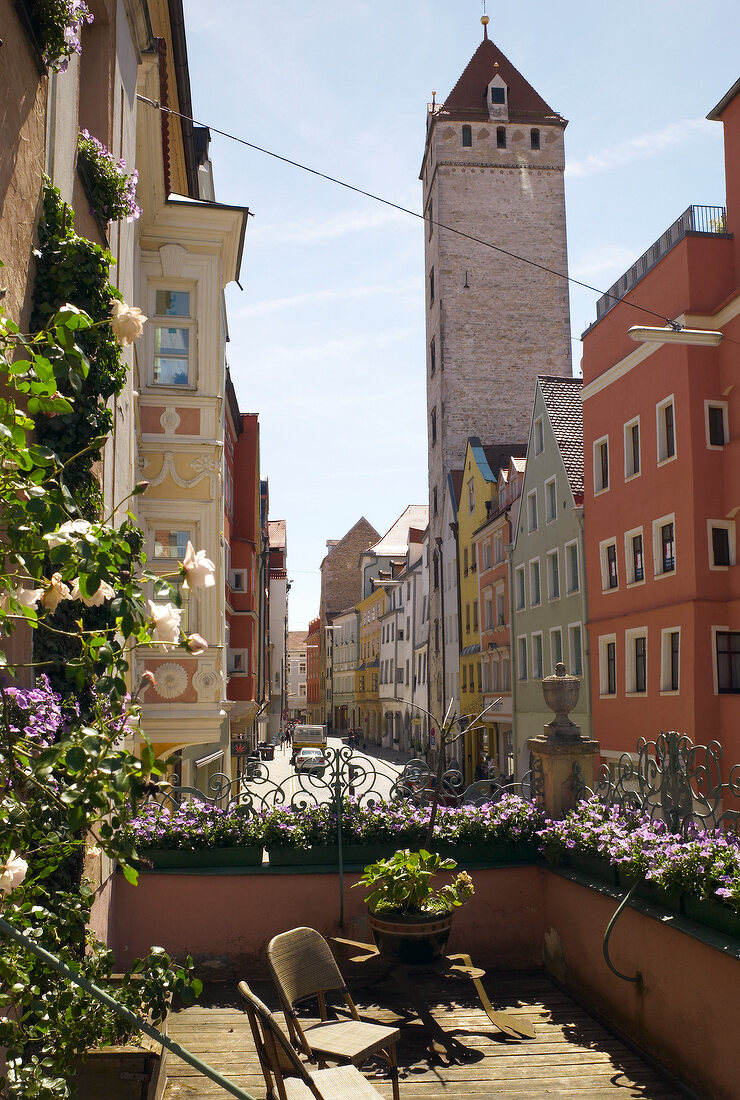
[266,750]
[311,761]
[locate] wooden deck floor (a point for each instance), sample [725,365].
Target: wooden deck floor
[572,1056]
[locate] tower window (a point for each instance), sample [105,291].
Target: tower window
[467,135]
[432,356]
[434,426]
[498,95]
[534,139]
[500,132]
[431,287]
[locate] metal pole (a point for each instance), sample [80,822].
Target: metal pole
[130,1017]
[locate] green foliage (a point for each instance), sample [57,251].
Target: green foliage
[405,884]
[72,269]
[112,191]
[66,779]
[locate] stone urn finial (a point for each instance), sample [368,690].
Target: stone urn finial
[561,693]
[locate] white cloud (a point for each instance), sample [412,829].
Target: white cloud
[607,263]
[329,294]
[328,229]
[639,147]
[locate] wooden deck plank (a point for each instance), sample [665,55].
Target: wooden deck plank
[572,1057]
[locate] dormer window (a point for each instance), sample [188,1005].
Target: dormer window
[498,97]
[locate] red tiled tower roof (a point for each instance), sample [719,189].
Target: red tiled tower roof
[469,100]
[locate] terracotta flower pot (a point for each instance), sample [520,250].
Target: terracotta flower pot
[416,938]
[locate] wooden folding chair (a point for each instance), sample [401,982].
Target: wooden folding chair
[285,1075]
[303,966]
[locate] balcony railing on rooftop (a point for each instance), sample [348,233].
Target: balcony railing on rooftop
[709,220]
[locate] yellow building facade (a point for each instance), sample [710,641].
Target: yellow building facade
[478,496]
[370,611]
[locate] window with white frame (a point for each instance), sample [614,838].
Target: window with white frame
[715,413]
[556,646]
[539,436]
[505,673]
[572,568]
[173,329]
[500,606]
[664,546]
[727,644]
[520,593]
[495,674]
[601,464]
[487,554]
[171,544]
[632,448]
[608,557]
[634,556]
[486,671]
[488,610]
[237,662]
[521,658]
[537,656]
[532,510]
[551,500]
[238,580]
[670,659]
[722,544]
[575,645]
[635,661]
[498,547]
[553,574]
[608,665]
[666,425]
[535,594]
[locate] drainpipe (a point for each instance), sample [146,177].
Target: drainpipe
[508,550]
[441,579]
[585,633]
[455,530]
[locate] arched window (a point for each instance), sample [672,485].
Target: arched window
[500,137]
[534,139]
[467,135]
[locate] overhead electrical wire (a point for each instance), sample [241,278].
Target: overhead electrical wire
[405,210]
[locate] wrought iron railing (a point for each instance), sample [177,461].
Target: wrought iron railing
[711,220]
[670,779]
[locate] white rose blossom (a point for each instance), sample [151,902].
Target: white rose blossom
[165,620]
[127,323]
[28,597]
[12,873]
[195,644]
[104,592]
[55,592]
[198,569]
[73,528]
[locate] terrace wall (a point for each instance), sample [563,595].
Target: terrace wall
[682,1013]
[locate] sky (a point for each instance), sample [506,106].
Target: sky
[327,336]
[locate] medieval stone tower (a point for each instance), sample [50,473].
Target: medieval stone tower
[493,168]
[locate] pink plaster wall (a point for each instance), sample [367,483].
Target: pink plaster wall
[226,921]
[688,1007]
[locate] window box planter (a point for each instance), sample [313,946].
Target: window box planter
[670,898]
[492,851]
[186,858]
[713,914]
[353,855]
[593,864]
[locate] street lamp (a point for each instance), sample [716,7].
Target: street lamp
[701,337]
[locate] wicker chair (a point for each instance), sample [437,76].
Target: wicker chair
[302,966]
[285,1075]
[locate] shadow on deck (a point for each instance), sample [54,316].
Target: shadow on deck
[448,1046]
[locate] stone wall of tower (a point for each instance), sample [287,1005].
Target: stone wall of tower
[495,322]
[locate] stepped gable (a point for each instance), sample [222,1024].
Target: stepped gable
[469,98]
[562,398]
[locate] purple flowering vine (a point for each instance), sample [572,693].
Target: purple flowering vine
[112,190]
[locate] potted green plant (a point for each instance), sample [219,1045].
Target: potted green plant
[410,919]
